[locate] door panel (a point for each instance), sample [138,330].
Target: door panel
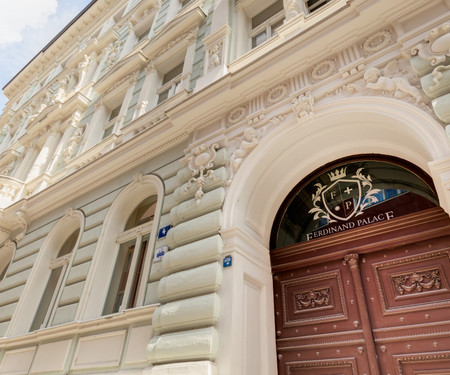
[408,298]
[318,320]
[395,294]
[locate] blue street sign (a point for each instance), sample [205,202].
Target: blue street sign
[159,253]
[227,261]
[163,231]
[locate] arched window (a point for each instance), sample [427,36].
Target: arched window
[119,275]
[39,301]
[351,194]
[132,255]
[58,267]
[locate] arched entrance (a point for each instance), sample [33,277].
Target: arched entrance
[360,254]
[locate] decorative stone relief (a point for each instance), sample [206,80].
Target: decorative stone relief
[291,9]
[131,79]
[303,106]
[74,141]
[353,71]
[237,114]
[138,179]
[215,56]
[82,69]
[189,35]
[113,53]
[200,163]
[277,94]
[391,81]
[21,219]
[256,119]
[277,120]
[377,42]
[437,75]
[244,146]
[60,94]
[436,46]
[324,69]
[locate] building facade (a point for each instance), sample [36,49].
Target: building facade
[230,187]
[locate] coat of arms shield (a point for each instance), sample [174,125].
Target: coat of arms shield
[342,198]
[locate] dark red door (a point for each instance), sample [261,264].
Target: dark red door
[373,300]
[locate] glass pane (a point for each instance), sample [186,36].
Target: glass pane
[119,278]
[107,132]
[114,113]
[267,13]
[44,305]
[171,74]
[143,213]
[275,26]
[163,96]
[258,39]
[348,196]
[69,244]
[137,273]
[315,4]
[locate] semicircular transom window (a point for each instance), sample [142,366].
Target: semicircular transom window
[350,195]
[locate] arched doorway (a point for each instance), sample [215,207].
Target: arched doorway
[360,256]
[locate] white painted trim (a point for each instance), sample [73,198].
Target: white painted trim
[36,283]
[135,317]
[283,158]
[340,128]
[102,267]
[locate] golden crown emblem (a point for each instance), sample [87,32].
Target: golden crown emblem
[337,174]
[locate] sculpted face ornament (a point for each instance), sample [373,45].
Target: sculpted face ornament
[343,198]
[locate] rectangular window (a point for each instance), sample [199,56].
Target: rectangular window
[315,4]
[170,82]
[265,23]
[109,127]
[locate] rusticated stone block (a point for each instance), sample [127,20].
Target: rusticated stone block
[190,283]
[190,209]
[194,345]
[187,314]
[193,255]
[195,229]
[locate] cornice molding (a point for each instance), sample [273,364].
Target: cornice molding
[68,37]
[176,30]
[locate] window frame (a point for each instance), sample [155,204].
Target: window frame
[170,87]
[31,296]
[266,26]
[62,262]
[137,233]
[92,304]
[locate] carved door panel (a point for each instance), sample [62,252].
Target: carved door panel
[368,302]
[408,297]
[318,322]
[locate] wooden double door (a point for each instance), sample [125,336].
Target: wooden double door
[373,300]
